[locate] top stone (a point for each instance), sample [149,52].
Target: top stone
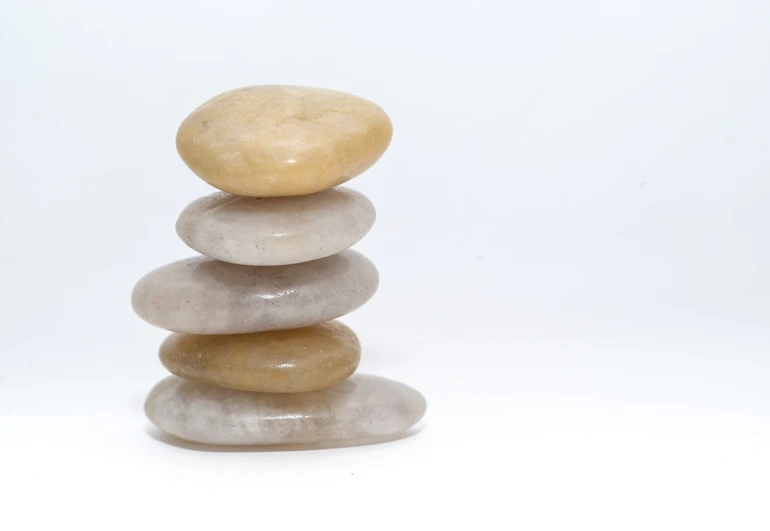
[274,140]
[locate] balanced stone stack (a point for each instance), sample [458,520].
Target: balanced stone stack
[256,354]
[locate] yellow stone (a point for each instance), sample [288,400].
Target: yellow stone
[276,140]
[280,361]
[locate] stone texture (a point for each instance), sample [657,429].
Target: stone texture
[274,140]
[361,407]
[205,296]
[275,230]
[280,361]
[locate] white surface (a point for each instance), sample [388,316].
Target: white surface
[572,237]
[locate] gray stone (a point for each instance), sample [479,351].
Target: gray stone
[205,296]
[361,407]
[275,230]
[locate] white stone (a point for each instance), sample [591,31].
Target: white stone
[275,230]
[205,296]
[361,407]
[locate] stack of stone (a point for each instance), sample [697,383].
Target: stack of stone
[256,355]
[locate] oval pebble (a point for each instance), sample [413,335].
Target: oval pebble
[277,140]
[205,296]
[280,361]
[359,408]
[275,230]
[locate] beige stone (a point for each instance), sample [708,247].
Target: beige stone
[276,140]
[280,361]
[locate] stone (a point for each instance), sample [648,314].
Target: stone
[275,230]
[205,296]
[279,361]
[360,408]
[276,140]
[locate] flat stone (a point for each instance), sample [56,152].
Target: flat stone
[275,140]
[280,361]
[205,296]
[361,407]
[275,230]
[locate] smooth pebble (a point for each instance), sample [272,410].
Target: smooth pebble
[359,408]
[280,361]
[205,296]
[275,230]
[278,140]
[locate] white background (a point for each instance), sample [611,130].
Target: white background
[572,238]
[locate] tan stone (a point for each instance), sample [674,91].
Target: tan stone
[280,361]
[276,140]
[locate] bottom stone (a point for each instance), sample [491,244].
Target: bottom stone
[361,407]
